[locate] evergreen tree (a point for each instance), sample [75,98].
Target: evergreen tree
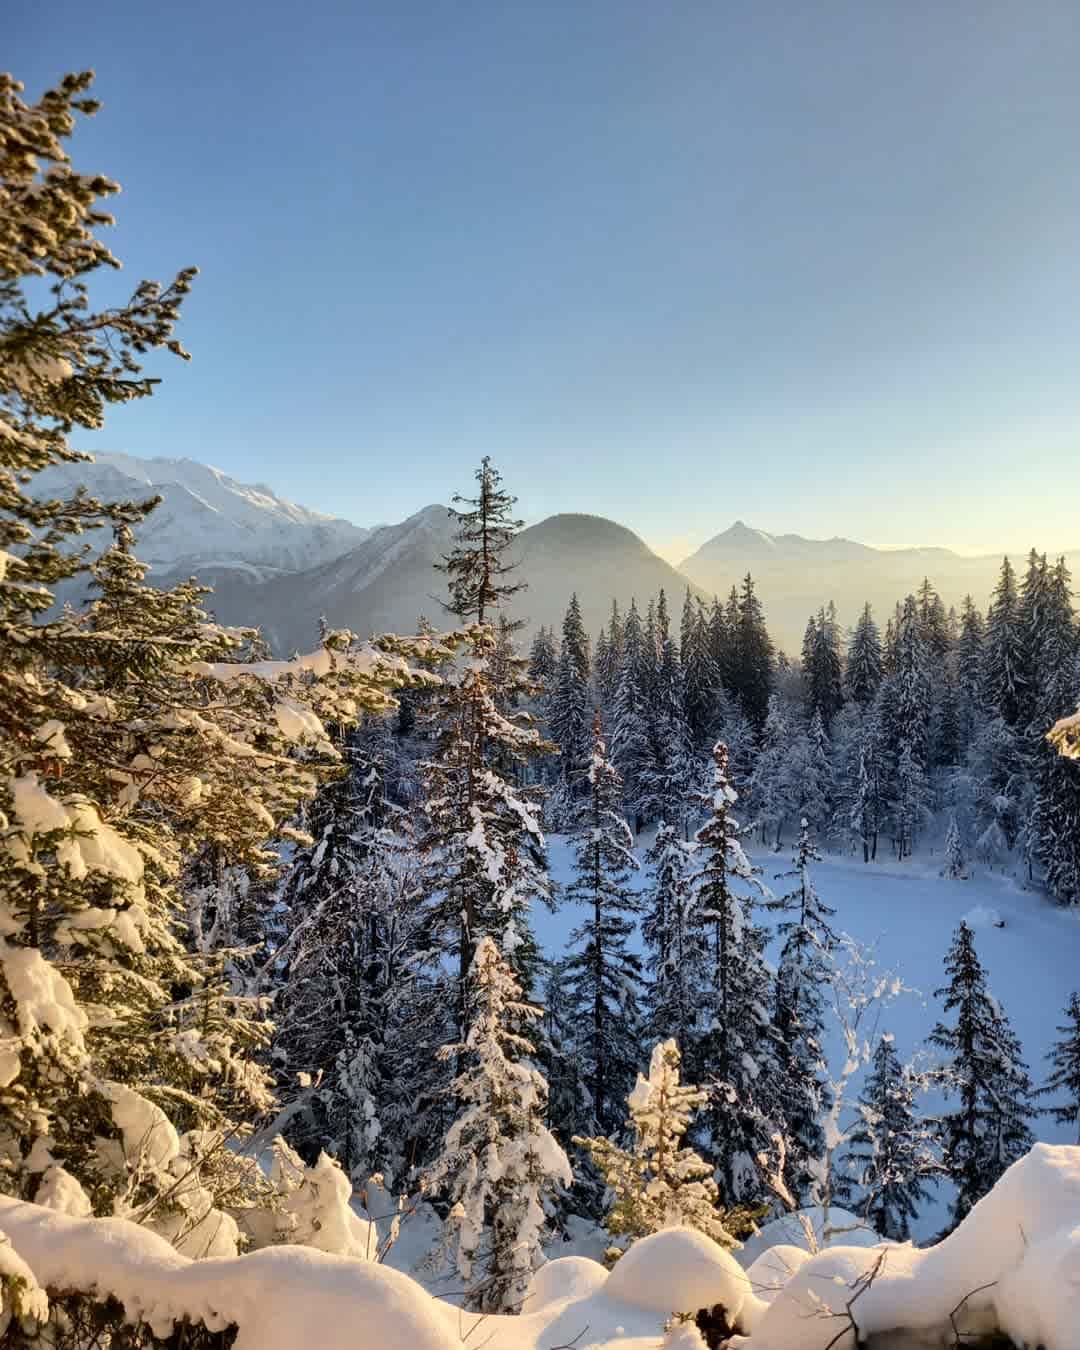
[602,974]
[1003,671]
[659,1182]
[799,1015]
[671,938]
[668,772]
[609,659]
[499,1167]
[1064,1058]
[810,775]
[822,666]
[737,1050]
[752,656]
[483,850]
[478,566]
[570,708]
[771,786]
[988,1129]
[630,731]
[134,737]
[543,660]
[910,806]
[969,665]
[891,1148]
[955,866]
[864,661]
[700,674]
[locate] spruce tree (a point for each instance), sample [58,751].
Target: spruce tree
[658,1181]
[771,784]
[955,865]
[969,665]
[499,1168]
[483,850]
[479,565]
[737,1050]
[891,1153]
[570,708]
[799,1015]
[988,1128]
[602,974]
[752,656]
[1003,656]
[864,660]
[137,736]
[672,941]
[1064,1081]
[630,728]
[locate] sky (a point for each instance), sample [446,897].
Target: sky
[811,265]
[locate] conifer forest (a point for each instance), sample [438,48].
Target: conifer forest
[569,985]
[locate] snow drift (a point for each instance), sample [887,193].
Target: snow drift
[1012,1266]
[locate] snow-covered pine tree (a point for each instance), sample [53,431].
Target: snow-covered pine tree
[737,1050]
[892,1151]
[1003,650]
[700,675]
[864,661]
[771,787]
[751,677]
[1052,832]
[822,666]
[673,943]
[968,667]
[499,1167]
[810,774]
[543,660]
[910,806]
[609,659]
[799,1015]
[602,974]
[133,740]
[483,850]
[570,707]
[988,1128]
[1064,1081]
[955,863]
[630,727]
[667,776]
[658,1182]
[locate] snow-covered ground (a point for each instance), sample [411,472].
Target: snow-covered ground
[1013,1265]
[908,913]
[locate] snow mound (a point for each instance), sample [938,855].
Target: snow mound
[564,1278]
[678,1270]
[983,916]
[269,1295]
[774,1268]
[790,1230]
[1012,1266]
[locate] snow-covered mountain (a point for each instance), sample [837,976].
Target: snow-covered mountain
[389,579]
[207,519]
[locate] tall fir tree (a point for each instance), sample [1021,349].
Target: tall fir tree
[799,1014]
[603,974]
[1003,654]
[988,1128]
[752,657]
[499,1168]
[891,1148]
[672,940]
[570,708]
[737,1052]
[864,660]
[1064,1080]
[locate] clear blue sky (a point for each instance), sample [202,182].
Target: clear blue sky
[816,265]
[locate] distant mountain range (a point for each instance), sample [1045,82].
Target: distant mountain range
[207,518]
[282,566]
